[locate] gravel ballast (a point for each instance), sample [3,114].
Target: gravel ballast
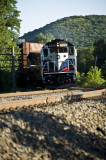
[65,131]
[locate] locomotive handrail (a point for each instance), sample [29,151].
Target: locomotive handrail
[47,64]
[69,63]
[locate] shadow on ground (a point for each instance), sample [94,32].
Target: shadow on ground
[45,132]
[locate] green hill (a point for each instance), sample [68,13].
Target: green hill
[82,31]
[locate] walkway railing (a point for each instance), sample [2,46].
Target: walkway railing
[68,64]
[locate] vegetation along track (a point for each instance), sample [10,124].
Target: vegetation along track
[14,101]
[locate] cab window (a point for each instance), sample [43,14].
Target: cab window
[53,50]
[71,51]
[45,52]
[62,50]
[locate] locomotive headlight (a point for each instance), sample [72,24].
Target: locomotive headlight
[57,44]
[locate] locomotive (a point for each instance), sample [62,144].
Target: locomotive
[58,62]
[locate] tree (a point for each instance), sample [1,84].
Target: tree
[9,29]
[41,38]
[100,52]
[9,17]
[85,59]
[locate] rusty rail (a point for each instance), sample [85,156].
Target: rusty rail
[47,99]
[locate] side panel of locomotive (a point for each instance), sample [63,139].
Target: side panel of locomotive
[58,62]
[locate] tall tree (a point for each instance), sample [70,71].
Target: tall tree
[9,16]
[100,52]
[85,59]
[9,28]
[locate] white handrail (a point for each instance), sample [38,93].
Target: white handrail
[69,63]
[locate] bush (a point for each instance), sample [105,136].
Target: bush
[5,81]
[94,77]
[103,70]
[80,78]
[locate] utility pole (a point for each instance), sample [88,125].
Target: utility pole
[13,72]
[96,60]
[84,65]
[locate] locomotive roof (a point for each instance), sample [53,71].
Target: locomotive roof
[60,41]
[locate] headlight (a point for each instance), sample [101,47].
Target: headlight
[57,44]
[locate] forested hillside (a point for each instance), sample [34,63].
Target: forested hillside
[82,31]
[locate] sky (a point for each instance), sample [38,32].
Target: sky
[38,13]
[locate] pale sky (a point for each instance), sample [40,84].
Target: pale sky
[37,13]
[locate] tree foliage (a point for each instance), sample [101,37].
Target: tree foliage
[9,27]
[82,31]
[41,38]
[81,78]
[9,16]
[85,59]
[100,52]
[91,56]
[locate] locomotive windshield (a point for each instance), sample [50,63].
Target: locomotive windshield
[62,50]
[58,50]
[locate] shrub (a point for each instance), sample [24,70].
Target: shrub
[80,78]
[5,81]
[94,77]
[103,70]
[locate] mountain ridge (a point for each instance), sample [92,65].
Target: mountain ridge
[82,31]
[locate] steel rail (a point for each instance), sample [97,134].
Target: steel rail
[5,106]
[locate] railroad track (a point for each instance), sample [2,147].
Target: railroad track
[14,101]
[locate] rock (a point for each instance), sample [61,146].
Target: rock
[62,131]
